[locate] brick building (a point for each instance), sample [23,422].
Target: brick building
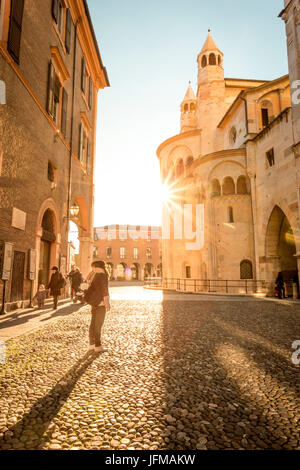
[50,74]
[131,253]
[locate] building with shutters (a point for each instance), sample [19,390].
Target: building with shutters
[131,253]
[52,70]
[235,155]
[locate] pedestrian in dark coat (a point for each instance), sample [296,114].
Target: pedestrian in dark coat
[97,295]
[76,280]
[55,285]
[280,286]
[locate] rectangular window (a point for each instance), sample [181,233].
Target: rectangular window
[82,143]
[64,113]
[53,92]
[135,253]
[91,93]
[122,253]
[149,253]
[57,13]
[68,31]
[88,157]
[265,117]
[15,29]
[270,158]
[108,253]
[83,76]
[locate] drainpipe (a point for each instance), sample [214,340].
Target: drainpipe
[72,128]
[246,114]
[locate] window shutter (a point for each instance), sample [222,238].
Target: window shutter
[88,157]
[56,89]
[51,79]
[15,29]
[81,142]
[55,8]
[64,113]
[83,75]
[68,31]
[90,93]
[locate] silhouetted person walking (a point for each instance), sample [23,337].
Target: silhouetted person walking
[55,285]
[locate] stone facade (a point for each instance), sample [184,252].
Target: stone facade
[132,253]
[235,156]
[52,74]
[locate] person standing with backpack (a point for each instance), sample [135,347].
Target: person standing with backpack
[57,282]
[97,295]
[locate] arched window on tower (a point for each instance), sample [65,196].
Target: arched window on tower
[230,215]
[267,113]
[186,108]
[193,107]
[219,60]
[242,185]
[204,61]
[212,59]
[228,186]
[246,269]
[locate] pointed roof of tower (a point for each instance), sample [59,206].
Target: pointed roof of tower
[210,44]
[190,95]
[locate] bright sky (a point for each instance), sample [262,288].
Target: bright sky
[150,50]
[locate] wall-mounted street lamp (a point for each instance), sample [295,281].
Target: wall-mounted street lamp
[74,211]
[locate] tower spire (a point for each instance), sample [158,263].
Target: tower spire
[188,110]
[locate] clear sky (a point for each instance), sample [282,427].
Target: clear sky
[150,50]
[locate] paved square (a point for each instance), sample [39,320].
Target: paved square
[181,373]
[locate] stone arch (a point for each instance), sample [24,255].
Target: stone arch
[179,168]
[212,59]
[215,188]
[228,186]
[48,241]
[242,185]
[85,235]
[266,112]
[280,245]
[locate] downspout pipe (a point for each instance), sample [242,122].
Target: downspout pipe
[246,114]
[72,126]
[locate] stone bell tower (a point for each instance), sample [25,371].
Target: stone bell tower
[211,92]
[189,117]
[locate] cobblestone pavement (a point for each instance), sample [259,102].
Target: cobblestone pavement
[178,375]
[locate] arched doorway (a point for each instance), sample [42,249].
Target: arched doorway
[48,238]
[135,268]
[121,271]
[148,270]
[281,247]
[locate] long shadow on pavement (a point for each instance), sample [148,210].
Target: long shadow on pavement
[219,389]
[39,417]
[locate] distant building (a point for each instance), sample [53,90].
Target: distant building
[236,155]
[52,69]
[132,253]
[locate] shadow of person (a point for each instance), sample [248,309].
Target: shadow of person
[36,421]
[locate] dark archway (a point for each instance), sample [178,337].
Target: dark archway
[280,246]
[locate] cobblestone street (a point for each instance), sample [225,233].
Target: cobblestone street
[180,373]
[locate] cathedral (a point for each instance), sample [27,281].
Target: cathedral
[236,155]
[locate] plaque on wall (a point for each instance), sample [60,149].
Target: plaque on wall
[18,219]
[6,260]
[32,265]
